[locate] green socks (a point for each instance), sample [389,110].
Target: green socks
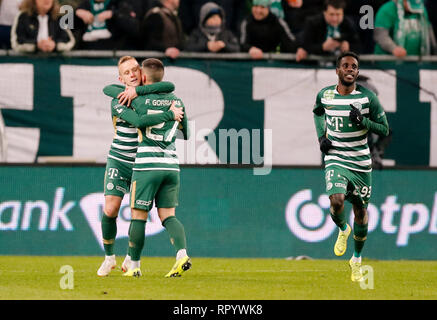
[360,236]
[109,231]
[176,232]
[339,219]
[136,238]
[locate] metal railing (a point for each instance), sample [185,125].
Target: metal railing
[213,56]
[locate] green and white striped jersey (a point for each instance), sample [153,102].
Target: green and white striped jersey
[156,148]
[125,142]
[126,120]
[349,141]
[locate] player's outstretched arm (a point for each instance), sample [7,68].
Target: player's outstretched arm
[113,90]
[138,121]
[157,87]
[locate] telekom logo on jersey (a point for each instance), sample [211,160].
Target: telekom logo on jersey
[310,221]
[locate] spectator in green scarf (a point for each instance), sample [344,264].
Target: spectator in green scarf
[402,28]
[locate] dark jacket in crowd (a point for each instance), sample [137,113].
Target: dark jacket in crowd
[315,31]
[161,29]
[431,7]
[199,38]
[295,17]
[24,34]
[267,34]
[127,19]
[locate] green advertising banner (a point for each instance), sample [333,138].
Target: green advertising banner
[55,107]
[227,212]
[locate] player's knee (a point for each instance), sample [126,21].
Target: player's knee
[361,216]
[337,202]
[111,210]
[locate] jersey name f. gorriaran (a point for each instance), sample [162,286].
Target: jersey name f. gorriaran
[125,142]
[156,147]
[349,141]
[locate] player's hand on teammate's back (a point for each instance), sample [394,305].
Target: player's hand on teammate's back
[178,112]
[127,96]
[355,115]
[325,144]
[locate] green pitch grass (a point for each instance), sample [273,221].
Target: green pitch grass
[216,279]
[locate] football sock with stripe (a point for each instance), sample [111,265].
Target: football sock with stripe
[360,236]
[109,231]
[136,238]
[176,232]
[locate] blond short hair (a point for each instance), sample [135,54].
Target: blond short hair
[124,59]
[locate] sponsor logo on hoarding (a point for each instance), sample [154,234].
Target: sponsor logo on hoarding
[92,208]
[309,219]
[53,216]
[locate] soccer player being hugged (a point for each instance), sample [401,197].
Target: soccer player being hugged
[155,176]
[122,153]
[343,115]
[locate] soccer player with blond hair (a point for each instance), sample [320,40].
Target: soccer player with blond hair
[122,153]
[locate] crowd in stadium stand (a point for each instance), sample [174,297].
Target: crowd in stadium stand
[304,27]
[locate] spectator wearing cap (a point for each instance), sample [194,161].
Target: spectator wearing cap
[235,12]
[328,33]
[402,28]
[263,32]
[211,35]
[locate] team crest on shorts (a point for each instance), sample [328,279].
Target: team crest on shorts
[329,186]
[110,186]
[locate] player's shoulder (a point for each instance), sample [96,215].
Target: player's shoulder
[326,90]
[366,91]
[389,6]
